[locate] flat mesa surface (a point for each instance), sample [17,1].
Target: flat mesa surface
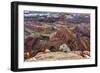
[52,56]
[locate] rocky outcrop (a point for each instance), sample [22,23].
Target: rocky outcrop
[64,34]
[53,56]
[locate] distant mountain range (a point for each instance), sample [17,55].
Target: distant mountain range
[54,16]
